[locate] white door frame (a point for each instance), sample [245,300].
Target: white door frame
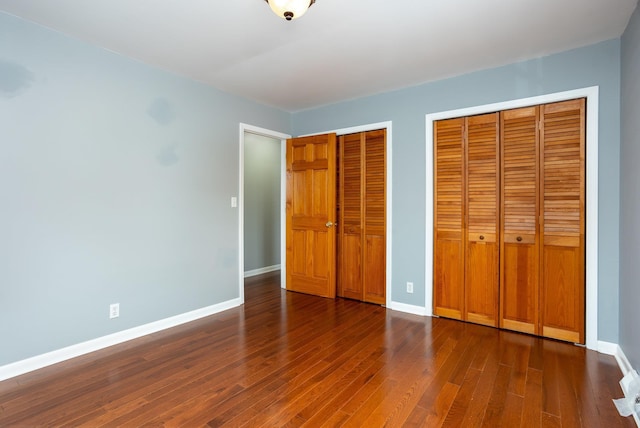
[389,189]
[591,94]
[244,128]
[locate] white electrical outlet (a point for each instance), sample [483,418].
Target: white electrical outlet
[114,310]
[409,287]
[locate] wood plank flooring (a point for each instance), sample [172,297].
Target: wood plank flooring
[287,359]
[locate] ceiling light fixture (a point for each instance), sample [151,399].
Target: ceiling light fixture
[290,9]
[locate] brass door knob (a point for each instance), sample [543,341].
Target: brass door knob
[329,224]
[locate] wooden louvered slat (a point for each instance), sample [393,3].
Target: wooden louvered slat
[375,182]
[448,218]
[519,299]
[482,195]
[352,183]
[562,206]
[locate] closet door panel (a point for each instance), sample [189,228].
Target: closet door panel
[482,206]
[519,295]
[374,270]
[481,292]
[563,290]
[563,188]
[519,251]
[351,267]
[374,154]
[449,275]
[448,218]
[350,222]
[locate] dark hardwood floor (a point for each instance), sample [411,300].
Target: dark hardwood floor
[286,359]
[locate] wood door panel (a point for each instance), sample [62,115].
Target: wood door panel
[320,259]
[375,270]
[563,293]
[299,183]
[350,225]
[307,285]
[519,299]
[519,248]
[351,268]
[298,261]
[448,145]
[320,188]
[363,216]
[449,196]
[481,290]
[562,206]
[482,207]
[311,203]
[351,186]
[448,276]
[374,186]
[375,214]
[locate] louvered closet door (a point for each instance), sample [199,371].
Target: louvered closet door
[519,297]
[350,223]
[374,255]
[362,224]
[448,287]
[563,199]
[482,195]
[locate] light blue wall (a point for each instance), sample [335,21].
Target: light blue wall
[116,180]
[630,193]
[597,65]
[261,202]
[115,184]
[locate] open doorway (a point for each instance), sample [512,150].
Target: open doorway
[261,202]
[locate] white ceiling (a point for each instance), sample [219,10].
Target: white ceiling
[341,49]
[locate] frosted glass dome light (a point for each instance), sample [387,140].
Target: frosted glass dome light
[290,9]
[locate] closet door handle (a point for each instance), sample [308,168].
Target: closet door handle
[482,237]
[519,238]
[329,224]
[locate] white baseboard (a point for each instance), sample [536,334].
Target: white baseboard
[260,271]
[615,350]
[608,348]
[59,355]
[624,364]
[410,309]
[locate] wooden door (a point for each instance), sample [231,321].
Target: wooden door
[374,217]
[562,202]
[482,207]
[362,225]
[350,284]
[449,227]
[519,297]
[526,169]
[310,215]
